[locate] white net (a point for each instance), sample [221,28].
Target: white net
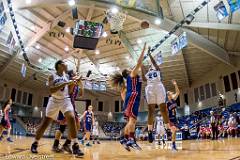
[116,20]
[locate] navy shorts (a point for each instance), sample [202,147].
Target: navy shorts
[5,123]
[131,105]
[88,127]
[173,122]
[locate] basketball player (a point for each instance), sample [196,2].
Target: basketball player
[59,101]
[95,132]
[132,95]
[159,128]
[88,123]
[75,91]
[5,122]
[172,105]
[155,95]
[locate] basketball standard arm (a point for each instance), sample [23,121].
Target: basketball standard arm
[139,63]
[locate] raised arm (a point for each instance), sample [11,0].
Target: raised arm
[139,63]
[177,91]
[143,73]
[154,62]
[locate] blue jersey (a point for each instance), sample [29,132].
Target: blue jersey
[88,117]
[134,85]
[172,105]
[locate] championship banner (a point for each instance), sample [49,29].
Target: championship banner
[221,10]
[234,5]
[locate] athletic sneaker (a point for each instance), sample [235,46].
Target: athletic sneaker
[9,139]
[124,143]
[98,142]
[159,143]
[67,148]
[76,150]
[88,145]
[132,143]
[56,149]
[150,136]
[34,147]
[174,147]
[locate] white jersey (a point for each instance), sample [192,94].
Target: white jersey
[57,80]
[159,122]
[153,76]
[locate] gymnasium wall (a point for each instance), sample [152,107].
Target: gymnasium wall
[213,76]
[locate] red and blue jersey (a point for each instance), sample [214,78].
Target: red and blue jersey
[171,106]
[134,85]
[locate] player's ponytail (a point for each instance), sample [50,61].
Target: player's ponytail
[117,80]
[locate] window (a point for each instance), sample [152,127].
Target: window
[13,94]
[88,103]
[30,96]
[19,96]
[213,89]
[178,101]
[24,101]
[45,101]
[196,95]
[116,106]
[226,84]
[202,95]
[100,106]
[234,80]
[207,90]
[186,98]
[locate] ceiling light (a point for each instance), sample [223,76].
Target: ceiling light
[27,49]
[40,60]
[157,21]
[114,10]
[139,41]
[38,46]
[67,30]
[117,68]
[66,48]
[28,1]
[127,57]
[71,2]
[104,34]
[97,51]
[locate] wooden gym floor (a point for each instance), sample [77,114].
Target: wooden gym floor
[227,149]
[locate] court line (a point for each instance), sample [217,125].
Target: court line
[235,158]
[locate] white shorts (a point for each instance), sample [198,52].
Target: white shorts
[160,131]
[55,105]
[95,132]
[155,93]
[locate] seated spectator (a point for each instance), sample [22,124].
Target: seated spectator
[232,126]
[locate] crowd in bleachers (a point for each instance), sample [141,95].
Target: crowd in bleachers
[31,124]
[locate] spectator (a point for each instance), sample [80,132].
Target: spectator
[232,126]
[214,125]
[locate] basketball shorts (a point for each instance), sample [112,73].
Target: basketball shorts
[88,127]
[56,105]
[173,121]
[132,102]
[160,130]
[155,93]
[5,123]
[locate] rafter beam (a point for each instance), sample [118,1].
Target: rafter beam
[4,67]
[186,69]
[220,26]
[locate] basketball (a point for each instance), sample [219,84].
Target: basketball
[145,24]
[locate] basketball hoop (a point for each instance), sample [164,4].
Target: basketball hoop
[116,21]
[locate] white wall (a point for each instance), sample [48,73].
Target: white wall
[213,76]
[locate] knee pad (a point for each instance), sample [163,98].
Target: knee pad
[151,110]
[164,113]
[62,128]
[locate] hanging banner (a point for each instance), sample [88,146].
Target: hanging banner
[234,5]
[23,70]
[159,58]
[3,16]
[221,10]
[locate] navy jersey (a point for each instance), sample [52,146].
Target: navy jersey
[172,105]
[88,117]
[134,85]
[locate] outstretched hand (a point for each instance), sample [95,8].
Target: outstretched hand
[174,82]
